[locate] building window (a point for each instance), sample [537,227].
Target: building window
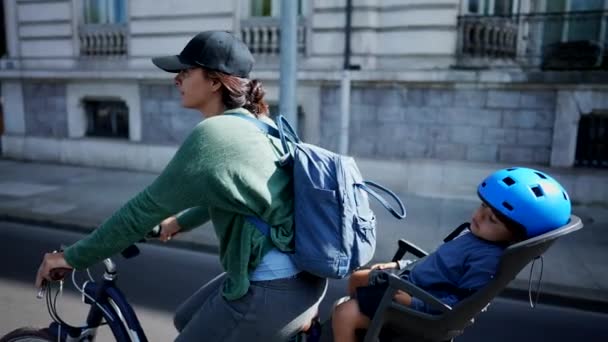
[473,6]
[107,118]
[261,31]
[269,8]
[491,7]
[551,34]
[573,34]
[592,140]
[104,12]
[103,28]
[574,20]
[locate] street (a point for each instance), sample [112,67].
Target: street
[161,278]
[489,115]
[80,198]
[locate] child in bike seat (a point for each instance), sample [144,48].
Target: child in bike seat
[516,204]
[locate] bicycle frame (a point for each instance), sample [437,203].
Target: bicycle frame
[115,309]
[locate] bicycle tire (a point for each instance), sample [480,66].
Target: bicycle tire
[28,334]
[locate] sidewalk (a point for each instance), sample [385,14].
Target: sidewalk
[80,198]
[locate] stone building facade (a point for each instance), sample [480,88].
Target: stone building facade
[436,80]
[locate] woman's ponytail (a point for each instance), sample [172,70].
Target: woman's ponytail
[240,92]
[255,98]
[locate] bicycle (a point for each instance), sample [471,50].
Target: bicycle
[108,306]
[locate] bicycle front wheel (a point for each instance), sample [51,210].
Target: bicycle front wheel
[28,335]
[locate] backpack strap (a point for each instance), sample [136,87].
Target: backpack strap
[262,226]
[285,132]
[285,128]
[366,187]
[264,127]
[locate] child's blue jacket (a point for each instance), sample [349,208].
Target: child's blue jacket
[455,270]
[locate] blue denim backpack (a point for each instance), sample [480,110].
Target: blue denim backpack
[335,229]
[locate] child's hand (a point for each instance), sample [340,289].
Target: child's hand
[169,228]
[385,266]
[403,298]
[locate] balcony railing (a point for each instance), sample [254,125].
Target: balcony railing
[493,37]
[103,39]
[263,35]
[568,40]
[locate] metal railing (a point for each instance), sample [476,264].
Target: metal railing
[494,37]
[262,35]
[103,39]
[565,40]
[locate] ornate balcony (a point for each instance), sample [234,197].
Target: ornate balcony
[103,40]
[559,40]
[262,36]
[484,40]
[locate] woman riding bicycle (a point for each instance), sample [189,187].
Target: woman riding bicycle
[224,171]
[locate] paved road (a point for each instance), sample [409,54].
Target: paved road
[82,198]
[158,280]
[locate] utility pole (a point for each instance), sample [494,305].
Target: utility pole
[289,54]
[345,84]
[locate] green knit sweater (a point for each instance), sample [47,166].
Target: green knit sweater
[225,169]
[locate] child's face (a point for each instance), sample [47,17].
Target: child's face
[486,225]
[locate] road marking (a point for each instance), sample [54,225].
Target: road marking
[53,208]
[19,189]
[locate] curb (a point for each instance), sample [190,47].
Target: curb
[517,290]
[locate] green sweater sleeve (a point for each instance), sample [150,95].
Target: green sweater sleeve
[224,171]
[192,218]
[164,197]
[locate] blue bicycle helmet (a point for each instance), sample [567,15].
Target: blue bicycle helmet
[528,197]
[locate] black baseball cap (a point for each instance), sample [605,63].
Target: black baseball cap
[214,50]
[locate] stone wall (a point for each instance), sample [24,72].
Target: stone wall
[164,120]
[479,125]
[45,109]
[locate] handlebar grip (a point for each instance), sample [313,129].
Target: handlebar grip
[133,251]
[59,273]
[154,233]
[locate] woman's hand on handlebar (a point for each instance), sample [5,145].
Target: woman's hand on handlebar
[168,228]
[48,268]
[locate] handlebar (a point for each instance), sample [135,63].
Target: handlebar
[133,251]
[56,274]
[154,233]
[59,273]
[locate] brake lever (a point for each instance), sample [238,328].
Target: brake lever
[42,289]
[56,274]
